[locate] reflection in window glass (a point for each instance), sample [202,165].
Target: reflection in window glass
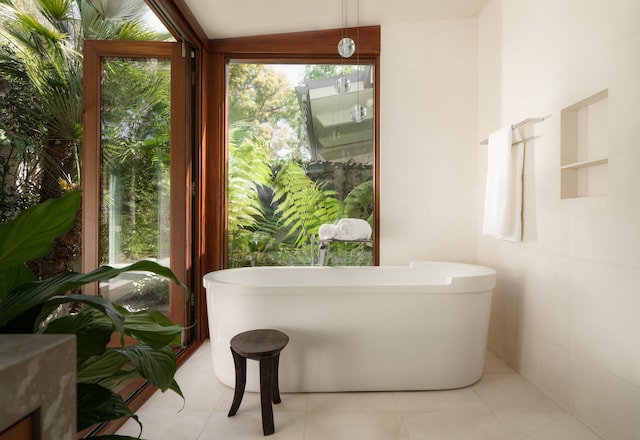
[300,154]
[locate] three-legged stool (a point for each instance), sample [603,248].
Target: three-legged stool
[263,346]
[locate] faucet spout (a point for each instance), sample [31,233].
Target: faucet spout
[323,251]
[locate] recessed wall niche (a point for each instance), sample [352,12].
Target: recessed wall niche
[584,148]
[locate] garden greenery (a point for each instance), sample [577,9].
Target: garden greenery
[274,206]
[45,306]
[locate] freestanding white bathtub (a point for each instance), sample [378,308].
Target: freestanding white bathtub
[420,327]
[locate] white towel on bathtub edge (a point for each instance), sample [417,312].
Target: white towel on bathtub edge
[503,193]
[353,229]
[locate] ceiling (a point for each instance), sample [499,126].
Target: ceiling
[235,18]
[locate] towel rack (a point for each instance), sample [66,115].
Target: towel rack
[521,124]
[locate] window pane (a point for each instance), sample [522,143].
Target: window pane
[301,154]
[134,213]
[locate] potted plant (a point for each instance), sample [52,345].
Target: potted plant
[41,306]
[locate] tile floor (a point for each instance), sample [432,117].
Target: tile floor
[501,406]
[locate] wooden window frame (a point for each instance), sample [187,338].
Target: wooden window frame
[181,156]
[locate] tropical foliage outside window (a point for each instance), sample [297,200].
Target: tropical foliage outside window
[135,178]
[279,189]
[41,101]
[40,141]
[41,114]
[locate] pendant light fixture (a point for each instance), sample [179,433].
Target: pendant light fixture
[346,49]
[346,46]
[343,84]
[358,111]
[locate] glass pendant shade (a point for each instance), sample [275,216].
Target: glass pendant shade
[358,113]
[343,85]
[346,47]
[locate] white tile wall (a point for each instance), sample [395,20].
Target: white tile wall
[428,149]
[566,306]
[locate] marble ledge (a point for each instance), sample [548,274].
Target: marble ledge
[38,378]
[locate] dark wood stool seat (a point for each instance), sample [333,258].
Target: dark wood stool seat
[264,346]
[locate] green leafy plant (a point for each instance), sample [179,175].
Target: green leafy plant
[41,47]
[248,168]
[302,204]
[359,202]
[46,306]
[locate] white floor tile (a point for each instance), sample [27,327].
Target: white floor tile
[462,400]
[200,361]
[163,424]
[354,426]
[565,427]
[201,393]
[521,425]
[501,406]
[455,426]
[251,402]
[351,402]
[512,393]
[247,425]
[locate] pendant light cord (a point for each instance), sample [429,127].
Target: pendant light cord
[358,49]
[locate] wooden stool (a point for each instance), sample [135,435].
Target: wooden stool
[263,346]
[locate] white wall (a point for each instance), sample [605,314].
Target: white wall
[566,310]
[428,154]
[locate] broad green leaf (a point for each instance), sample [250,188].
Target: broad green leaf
[92,329]
[12,278]
[96,404]
[122,376]
[151,327]
[99,303]
[23,322]
[176,388]
[31,233]
[97,368]
[34,293]
[116,379]
[157,366]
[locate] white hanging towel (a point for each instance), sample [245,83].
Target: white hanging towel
[503,195]
[353,229]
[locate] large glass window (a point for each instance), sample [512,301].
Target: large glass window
[136,154]
[135,178]
[300,155]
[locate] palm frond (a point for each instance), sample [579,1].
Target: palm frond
[119,10]
[55,11]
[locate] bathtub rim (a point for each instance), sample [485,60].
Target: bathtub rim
[479,279]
